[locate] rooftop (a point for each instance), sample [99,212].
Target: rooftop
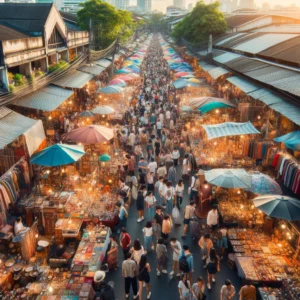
[238,20]
[7,33]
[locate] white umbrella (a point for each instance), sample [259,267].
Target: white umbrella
[103,110]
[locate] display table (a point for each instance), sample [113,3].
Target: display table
[91,252]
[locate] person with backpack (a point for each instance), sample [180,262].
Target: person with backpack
[186,262]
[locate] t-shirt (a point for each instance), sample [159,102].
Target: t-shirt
[226,293]
[183,287]
[169,193]
[125,240]
[179,190]
[150,200]
[189,211]
[248,292]
[176,247]
[152,166]
[148,231]
[162,171]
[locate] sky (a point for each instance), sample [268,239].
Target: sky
[162,4]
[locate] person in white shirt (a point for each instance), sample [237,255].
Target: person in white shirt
[179,192]
[162,170]
[148,236]
[169,197]
[151,201]
[176,248]
[213,218]
[227,291]
[162,189]
[161,117]
[175,157]
[19,228]
[152,166]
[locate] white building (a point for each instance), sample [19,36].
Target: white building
[173,11]
[179,3]
[225,6]
[121,4]
[247,4]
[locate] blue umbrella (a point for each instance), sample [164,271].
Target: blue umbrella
[58,155]
[86,113]
[104,158]
[134,68]
[123,71]
[213,105]
[263,184]
[182,83]
[291,140]
[111,89]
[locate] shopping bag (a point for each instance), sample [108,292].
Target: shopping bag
[176,215]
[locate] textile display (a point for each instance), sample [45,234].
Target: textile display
[28,243]
[288,169]
[257,149]
[34,137]
[12,182]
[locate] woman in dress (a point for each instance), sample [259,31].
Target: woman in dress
[184,288]
[140,200]
[137,251]
[112,254]
[148,236]
[213,266]
[144,276]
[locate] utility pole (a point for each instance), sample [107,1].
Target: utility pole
[116,49]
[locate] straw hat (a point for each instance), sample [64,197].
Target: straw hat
[99,276]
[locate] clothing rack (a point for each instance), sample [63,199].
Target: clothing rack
[12,167]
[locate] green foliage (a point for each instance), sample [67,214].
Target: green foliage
[107,21]
[11,88]
[60,65]
[200,23]
[18,78]
[157,22]
[31,78]
[40,73]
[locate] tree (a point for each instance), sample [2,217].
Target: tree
[200,23]
[156,22]
[107,22]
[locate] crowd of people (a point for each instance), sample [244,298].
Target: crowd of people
[160,167]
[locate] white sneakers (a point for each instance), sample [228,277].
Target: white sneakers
[165,271]
[158,273]
[213,280]
[140,219]
[208,286]
[149,295]
[172,273]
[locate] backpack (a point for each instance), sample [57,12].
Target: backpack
[107,293]
[183,264]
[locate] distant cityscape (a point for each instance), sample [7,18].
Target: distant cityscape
[174,8]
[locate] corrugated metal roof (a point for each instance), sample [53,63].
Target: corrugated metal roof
[12,125]
[103,62]
[238,20]
[47,98]
[243,84]
[264,42]
[7,33]
[241,39]
[288,51]
[74,79]
[92,69]
[227,38]
[223,58]
[25,17]
[266,96]
[228,129]
[289,110]
[206,66]
[217,72]
[243,64]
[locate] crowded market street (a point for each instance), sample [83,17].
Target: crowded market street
[147,186]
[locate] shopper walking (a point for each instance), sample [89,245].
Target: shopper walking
[205,243]
[227,291]
[186,262]
[161,255]
[189,212]
[176,248]
[213,266]
[112,254]
[158,220]
[137,251]
[198,289]
[248,291]
[179,189]
[169,197]
[166,227]
[129,272]
[144,277]
[184,288]
[148,236]
[125,241]
[140,200]
[213,218]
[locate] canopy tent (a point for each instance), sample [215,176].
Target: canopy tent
[13,125]
[58,155]
[263,184]
[182,83]
[118,82]
[217,72]
[111,89]
[291,140]
[214,105]
[74,80]
[103,62]
[205,66]
[103,110]
[277,206]
[92,69]
[47,98]
[243,84]
[86,113]
[228,129]
[229,178]
[200,101]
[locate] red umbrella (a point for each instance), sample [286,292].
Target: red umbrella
[92,134]
[180,74]
[125,77]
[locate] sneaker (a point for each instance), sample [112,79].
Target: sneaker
[172,273]
[208,286]
[178,274]
[127,296]
[158,273]
[144,284]
[213,280]
[165,271]
[135,297]
[142,218]
[149,295]
[139,220]
[152,248]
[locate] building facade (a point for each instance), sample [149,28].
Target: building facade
[179,3]
[247,4]
[173,11]
[145,5]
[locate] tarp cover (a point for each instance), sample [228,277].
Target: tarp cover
[229,128]
[291,140]
[47,98]
[13,125]
[217,72]
[74,79]
[243,84]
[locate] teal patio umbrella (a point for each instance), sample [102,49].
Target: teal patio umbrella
[58,155]
[280,207]
[111,89]
[86,113]
[263,184]
[214,105]
[104,158]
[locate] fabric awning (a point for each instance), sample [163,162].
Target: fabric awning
[228,129]
[47,98]
[217,72]
[13,125]
[92,69]
[291,140]
[74,80]
[103,62]
[279,103]
[243,84]
[205,66]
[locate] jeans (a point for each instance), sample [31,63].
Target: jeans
[193,195]
[151,212]
[148,242]
[169,206]
[179,201]
[131,282]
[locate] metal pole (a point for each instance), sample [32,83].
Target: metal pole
[116,49]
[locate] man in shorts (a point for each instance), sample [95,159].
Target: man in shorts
[189,212]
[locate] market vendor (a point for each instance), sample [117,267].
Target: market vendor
[19,228]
